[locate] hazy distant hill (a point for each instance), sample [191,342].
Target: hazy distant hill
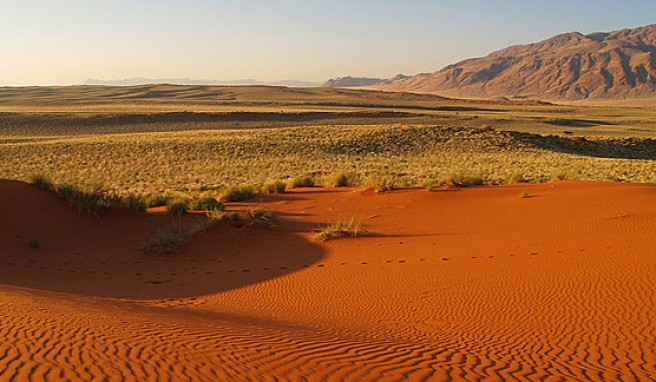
[135,81]
[570,66]
[347,82]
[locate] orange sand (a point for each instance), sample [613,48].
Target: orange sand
[471,284]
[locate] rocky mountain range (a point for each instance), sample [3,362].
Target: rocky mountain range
[570,66]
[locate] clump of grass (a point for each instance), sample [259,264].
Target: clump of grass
[207,204]
[275,187]
[349,227]
[128,201]
[237,193]
[263,217]
[86,201]
[524,195]
[379,183]
[231,216]
[296,182]
[339,179]
[34,244]
[178,206]
[516,177]
[462,180]
[42,181]
[171,237]
[166,240]
[156,200]
[558,177]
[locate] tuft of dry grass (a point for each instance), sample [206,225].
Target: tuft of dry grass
[263,217]
[348,227]
[275,187]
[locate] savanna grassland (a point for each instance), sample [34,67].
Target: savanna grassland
[160,138]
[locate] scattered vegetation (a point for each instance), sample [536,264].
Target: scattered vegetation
[131,152]
[524,195]
[349,227]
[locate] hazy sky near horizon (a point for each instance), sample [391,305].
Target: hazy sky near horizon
[61,42]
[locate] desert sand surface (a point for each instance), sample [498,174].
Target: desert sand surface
[462,284]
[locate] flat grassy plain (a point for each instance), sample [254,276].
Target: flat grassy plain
[161,138]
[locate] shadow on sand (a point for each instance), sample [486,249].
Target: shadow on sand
[100,256]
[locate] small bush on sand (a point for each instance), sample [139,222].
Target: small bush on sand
[516,177]
[42,181]
[237,193]
[207,204]
[349,227]
[34,244]
[178,206]
[296,182]
[275,187]
[263,218]
[524,195]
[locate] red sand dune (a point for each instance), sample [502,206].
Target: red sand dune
[469,284]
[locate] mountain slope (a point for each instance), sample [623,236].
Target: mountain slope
[570,66]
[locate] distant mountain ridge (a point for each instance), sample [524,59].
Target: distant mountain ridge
[570,66]
[137,81]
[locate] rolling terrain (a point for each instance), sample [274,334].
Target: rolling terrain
[529,278]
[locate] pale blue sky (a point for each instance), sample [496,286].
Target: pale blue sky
[67,41]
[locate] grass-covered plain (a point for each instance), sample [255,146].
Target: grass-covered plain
[401,139]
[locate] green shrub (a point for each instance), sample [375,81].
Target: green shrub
[42,181]
[275,187]
[237,193]
[296,182]
[34,244]
[524,195]
[349,227]
[207,204]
